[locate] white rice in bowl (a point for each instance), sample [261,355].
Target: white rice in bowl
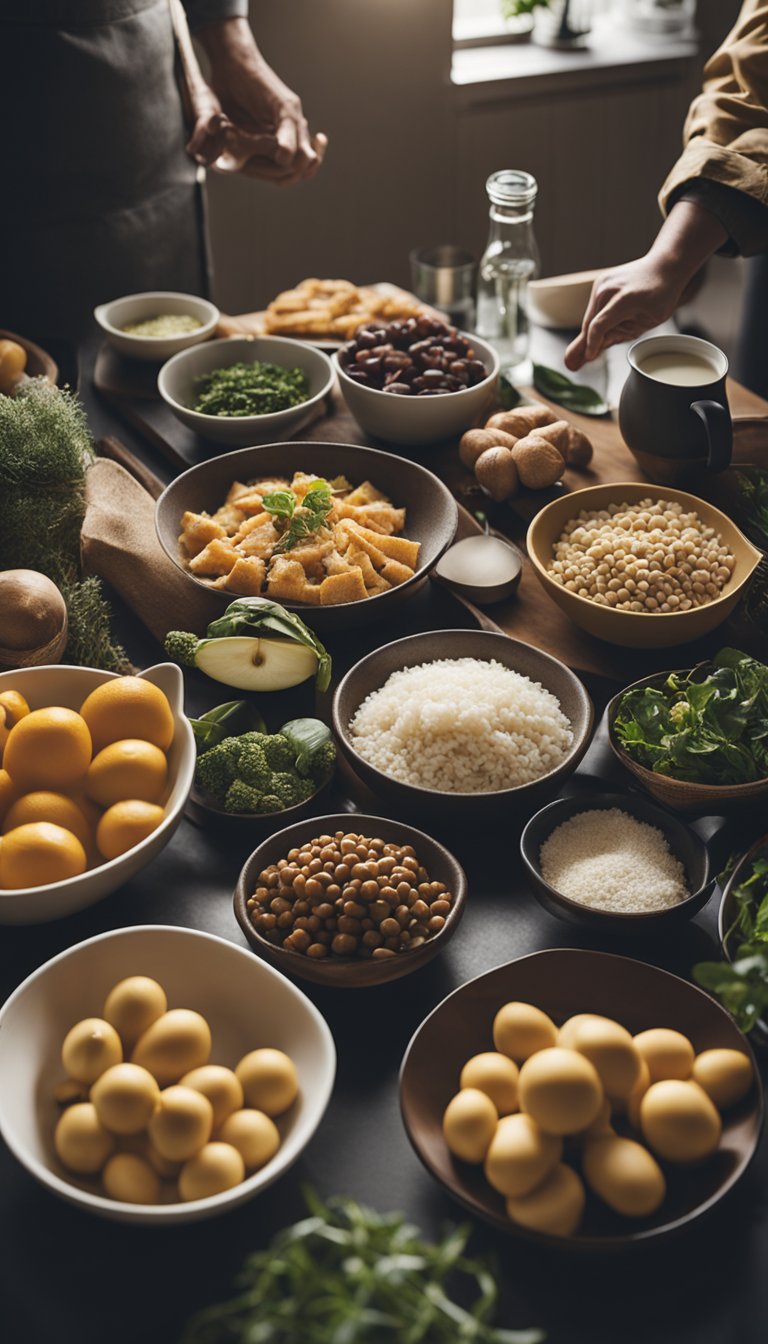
[462,725]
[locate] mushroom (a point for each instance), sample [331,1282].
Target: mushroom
[496,472]
[538,462]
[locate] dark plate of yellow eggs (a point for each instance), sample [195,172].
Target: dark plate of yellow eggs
[582,1099]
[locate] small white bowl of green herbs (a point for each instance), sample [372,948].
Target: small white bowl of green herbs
[246,390]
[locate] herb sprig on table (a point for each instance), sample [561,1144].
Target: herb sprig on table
[249,389]
[349,1275]
[742,985]
[706,726]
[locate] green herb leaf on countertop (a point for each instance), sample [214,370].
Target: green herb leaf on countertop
[509,396]
[573,396]
[349,1275]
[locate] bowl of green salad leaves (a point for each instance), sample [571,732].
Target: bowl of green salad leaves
[246,390]
[697,738]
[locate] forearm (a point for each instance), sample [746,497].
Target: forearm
[202,14]
[231,43]
[689,236]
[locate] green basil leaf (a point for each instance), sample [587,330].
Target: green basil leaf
[573,396]
[508,393]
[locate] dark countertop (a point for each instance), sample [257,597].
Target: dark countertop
[68,1276]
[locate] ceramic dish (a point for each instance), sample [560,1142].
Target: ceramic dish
[431,512]
[197,970]
[684,843]
[352,972]
[68,686]
[421,420]
[176,385]
[112,317]
[564,982]
[679,794]
[39,362]
[252,825]
[371,672]
[635,629]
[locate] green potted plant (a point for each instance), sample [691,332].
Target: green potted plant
[556,23]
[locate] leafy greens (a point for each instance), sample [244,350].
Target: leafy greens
[573,396]
[742,985]
[752,483]
[297,521]
[349,1275]
[706,726]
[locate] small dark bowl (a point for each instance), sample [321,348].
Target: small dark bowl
[679,794]
[563,982]
[729,937]
[431,513]
[352,972]
[371,672]
[210,816]
[684,843]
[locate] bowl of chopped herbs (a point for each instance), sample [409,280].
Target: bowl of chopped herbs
[246,390]
[247,776]
[697,738]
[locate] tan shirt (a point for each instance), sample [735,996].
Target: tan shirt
[726,135]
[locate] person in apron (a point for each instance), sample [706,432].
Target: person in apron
[102,179]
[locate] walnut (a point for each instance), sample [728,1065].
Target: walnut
[538,462]
[496,472]
[476,441]
[520,422]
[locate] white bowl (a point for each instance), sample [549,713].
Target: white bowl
[68,686]
[422,420]
[245,1001]
[112,317]
[176,385]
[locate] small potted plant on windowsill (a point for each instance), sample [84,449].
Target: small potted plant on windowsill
[556,23]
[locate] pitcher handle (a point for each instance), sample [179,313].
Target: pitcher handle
[719,431]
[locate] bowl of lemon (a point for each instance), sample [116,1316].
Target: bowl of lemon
[95,770]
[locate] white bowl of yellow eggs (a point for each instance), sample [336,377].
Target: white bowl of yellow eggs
[95,770]
[160,1075]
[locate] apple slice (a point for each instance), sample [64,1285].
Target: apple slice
[256,664]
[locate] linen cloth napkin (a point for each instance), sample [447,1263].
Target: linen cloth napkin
[118,543]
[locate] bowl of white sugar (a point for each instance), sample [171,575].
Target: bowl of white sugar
[465,724]
[617,862]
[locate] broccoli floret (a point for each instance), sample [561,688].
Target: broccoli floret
[271,803]
[182,646]
[243,797]
[253,739]
[290,789]
[216,769]
[279,752]
[252,767]
[322,764]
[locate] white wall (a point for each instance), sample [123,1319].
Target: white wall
[408,158]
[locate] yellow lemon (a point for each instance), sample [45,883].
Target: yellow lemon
[125,824]
[8,792]
[128,705]
[53,807]
[48,749]
[131,768]
[38,853]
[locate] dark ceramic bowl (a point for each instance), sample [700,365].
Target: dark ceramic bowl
[352,972]
[431,512]
[684,843]
[256,825]
[564,982]
[371,672]
[679,794]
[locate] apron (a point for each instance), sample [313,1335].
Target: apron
[98,197]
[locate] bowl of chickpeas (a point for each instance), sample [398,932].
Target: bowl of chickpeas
[640,566]
[350,900]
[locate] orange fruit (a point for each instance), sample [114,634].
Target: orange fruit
[39,853]
[125,824]
[128,705]
[48,749]
[8,792]
[131,768]
[15,706]
[46,806]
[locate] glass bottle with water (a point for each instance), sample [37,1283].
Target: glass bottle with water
[510,260]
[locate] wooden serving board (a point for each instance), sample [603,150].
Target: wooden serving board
[530,615]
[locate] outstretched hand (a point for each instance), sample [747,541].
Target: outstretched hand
[624,303]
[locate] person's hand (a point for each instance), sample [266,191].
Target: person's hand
[623,304]
[257,125]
